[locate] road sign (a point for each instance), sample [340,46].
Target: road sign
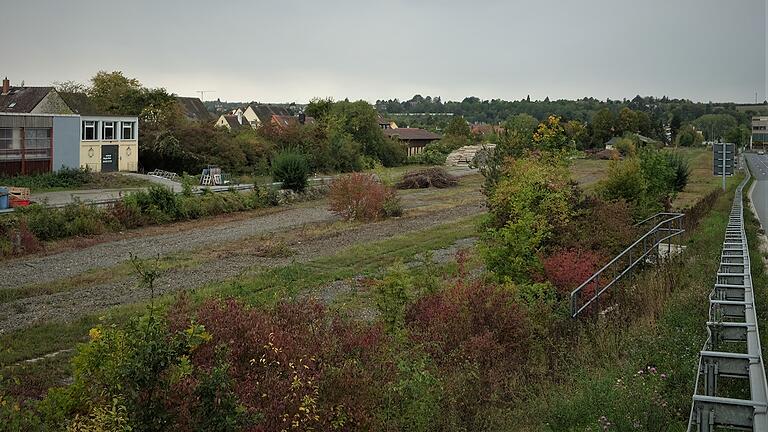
[725,157]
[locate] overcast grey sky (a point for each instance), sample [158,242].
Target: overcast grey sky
[275,51]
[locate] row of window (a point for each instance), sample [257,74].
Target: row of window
[109,131]
[34,138]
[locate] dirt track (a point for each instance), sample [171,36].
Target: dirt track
[74,303]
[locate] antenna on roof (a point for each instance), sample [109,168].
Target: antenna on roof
[203,92]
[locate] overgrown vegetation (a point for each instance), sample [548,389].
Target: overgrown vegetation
[362,197]
[70,178]
[25,230]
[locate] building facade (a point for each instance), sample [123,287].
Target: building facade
[109,143]
[38,143]
[759,131]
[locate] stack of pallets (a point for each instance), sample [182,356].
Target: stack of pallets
[19,197]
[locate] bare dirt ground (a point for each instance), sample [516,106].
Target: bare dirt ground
[233,247]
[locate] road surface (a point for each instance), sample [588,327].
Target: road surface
[758,166]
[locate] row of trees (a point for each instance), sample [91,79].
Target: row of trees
[345,136]
[645,115]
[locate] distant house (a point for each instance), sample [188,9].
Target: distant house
[233,122]
[194,109]
[386,124]
[414,138]
[260,114]
[637,138]
[285,121]
[485,129]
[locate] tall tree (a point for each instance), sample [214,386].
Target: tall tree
[458,127]
[603,127]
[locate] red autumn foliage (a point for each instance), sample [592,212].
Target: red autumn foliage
[294,365]
[359,196]
[602,226]
[476,322]
[569,268]
[23,240]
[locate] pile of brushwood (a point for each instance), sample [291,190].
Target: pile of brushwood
[430,177]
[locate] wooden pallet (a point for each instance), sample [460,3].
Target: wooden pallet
[18,194]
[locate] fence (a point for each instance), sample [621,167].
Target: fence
[732,350]
[664,226]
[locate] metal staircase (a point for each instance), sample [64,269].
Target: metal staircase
[732,350]
[655,240]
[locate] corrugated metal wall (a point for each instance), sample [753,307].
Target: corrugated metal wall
[17,121]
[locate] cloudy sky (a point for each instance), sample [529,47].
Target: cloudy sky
[290,50]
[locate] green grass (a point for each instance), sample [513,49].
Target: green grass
[258,287]
[666,331]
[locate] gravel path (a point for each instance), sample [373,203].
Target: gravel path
[32,270]
[70,305]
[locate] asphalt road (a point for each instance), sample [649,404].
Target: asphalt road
[758,166]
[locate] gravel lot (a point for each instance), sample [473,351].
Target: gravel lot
[73,304]
[32,270]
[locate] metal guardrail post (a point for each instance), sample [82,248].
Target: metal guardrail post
[732,318]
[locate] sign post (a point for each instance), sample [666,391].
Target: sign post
[724,159]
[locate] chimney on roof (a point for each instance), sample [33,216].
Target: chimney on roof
[302,118]
[6,86]
[239,116]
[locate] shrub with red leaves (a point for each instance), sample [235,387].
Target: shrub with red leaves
[293,367]
[477,337]
[360,196]
[473,322]
[602,226]
[569,268]
[23,240]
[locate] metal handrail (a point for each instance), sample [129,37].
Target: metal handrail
[708,410]
[671,226]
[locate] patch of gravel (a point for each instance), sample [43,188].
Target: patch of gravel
[33,270]
[70,305]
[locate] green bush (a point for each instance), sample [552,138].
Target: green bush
[292,169]
[681,170]
[65,178]
[532,199]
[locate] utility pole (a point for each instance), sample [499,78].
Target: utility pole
[203,92]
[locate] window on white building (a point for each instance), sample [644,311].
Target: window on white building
[128,130]
[6,139]
[90,127]
[108,131]
[37,138]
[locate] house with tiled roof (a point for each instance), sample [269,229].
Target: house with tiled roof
[233,122]
[31,100]
[194,109]
[260,114]
[414,138]
[286,121]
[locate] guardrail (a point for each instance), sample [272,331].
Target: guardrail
[732,350]
[669,225]
[199,191]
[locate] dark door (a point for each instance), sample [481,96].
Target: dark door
[109,155]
